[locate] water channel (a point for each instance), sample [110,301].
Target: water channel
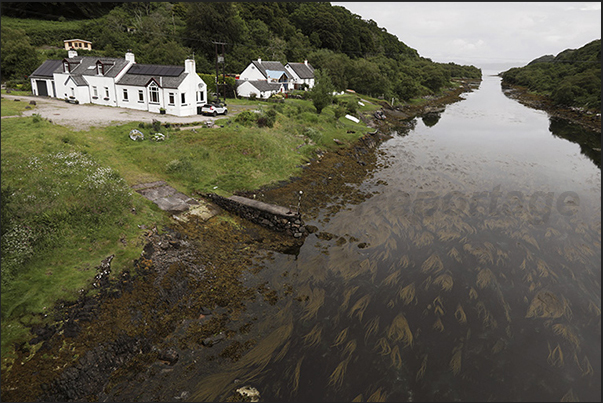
[473,273]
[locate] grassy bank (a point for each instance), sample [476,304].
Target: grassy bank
[11,107]
[67,203]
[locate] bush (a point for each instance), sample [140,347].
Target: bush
[339,111]
[246,118]
[351,107]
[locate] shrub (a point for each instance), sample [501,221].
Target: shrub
[339,112]
[246,118]
[351,107]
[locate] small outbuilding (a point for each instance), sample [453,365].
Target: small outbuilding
[261,89]
[77,44]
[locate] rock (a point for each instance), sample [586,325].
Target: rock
[136,135]
[249,392]
[210,341]
[32,102]
[170,355]
[338,142]
[311,228]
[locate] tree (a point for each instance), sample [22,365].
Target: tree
[322,92]
[19,58]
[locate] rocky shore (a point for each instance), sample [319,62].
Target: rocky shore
[588,119]
[186,282]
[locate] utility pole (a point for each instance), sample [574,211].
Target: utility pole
[219,60]
[223,74]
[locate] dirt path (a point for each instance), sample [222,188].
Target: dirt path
[85,116]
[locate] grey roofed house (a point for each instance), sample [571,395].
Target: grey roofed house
[302,70]
[262,66]
[46,69]
[139,75]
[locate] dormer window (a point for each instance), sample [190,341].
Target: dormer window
[66,68]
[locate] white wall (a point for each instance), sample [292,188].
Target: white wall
[101,83]
[251,73]
[132,102]
[34,86]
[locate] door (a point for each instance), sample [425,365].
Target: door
[42,89]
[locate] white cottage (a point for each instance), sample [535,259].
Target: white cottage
[302,74]
[123,83]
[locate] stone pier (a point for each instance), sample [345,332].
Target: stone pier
[271,216]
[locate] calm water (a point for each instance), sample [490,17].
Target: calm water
[480,279]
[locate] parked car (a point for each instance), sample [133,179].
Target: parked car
[214,109]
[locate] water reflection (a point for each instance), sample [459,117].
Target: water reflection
[430,119]
[589,142]
[473,273]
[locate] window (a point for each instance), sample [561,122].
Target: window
[200,97]
[183,98]
[125,94]
[72,92]
[65,67]
[99,69]
[140,96]
[95,92]
[106,92]
[171,98]
[154,94]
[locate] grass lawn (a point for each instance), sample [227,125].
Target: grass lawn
[11,107]
[67,203]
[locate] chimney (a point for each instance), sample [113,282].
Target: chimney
[71,53]
[189,66]
[259,60]
[306,62]
[130,56]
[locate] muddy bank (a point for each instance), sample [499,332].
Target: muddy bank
[586,119]
[182,294]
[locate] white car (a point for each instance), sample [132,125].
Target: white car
[214,109]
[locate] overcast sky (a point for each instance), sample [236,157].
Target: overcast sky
[487,35]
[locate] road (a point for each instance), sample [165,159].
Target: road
[85,116]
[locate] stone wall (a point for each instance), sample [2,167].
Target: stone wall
[276,218]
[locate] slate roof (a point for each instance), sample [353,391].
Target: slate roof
[46,69]
[302,70]
[274,66]
[79,80]
[141,80]
[86,66]
[263,85]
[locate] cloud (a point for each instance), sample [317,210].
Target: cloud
[485,32]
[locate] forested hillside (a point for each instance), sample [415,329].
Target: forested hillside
[572,78]
[354,52]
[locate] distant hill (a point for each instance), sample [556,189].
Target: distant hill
[355,53]
[572,78]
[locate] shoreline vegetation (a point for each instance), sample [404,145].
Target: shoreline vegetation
[39,345]
[588,119]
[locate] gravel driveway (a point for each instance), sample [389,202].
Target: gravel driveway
[85,116]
